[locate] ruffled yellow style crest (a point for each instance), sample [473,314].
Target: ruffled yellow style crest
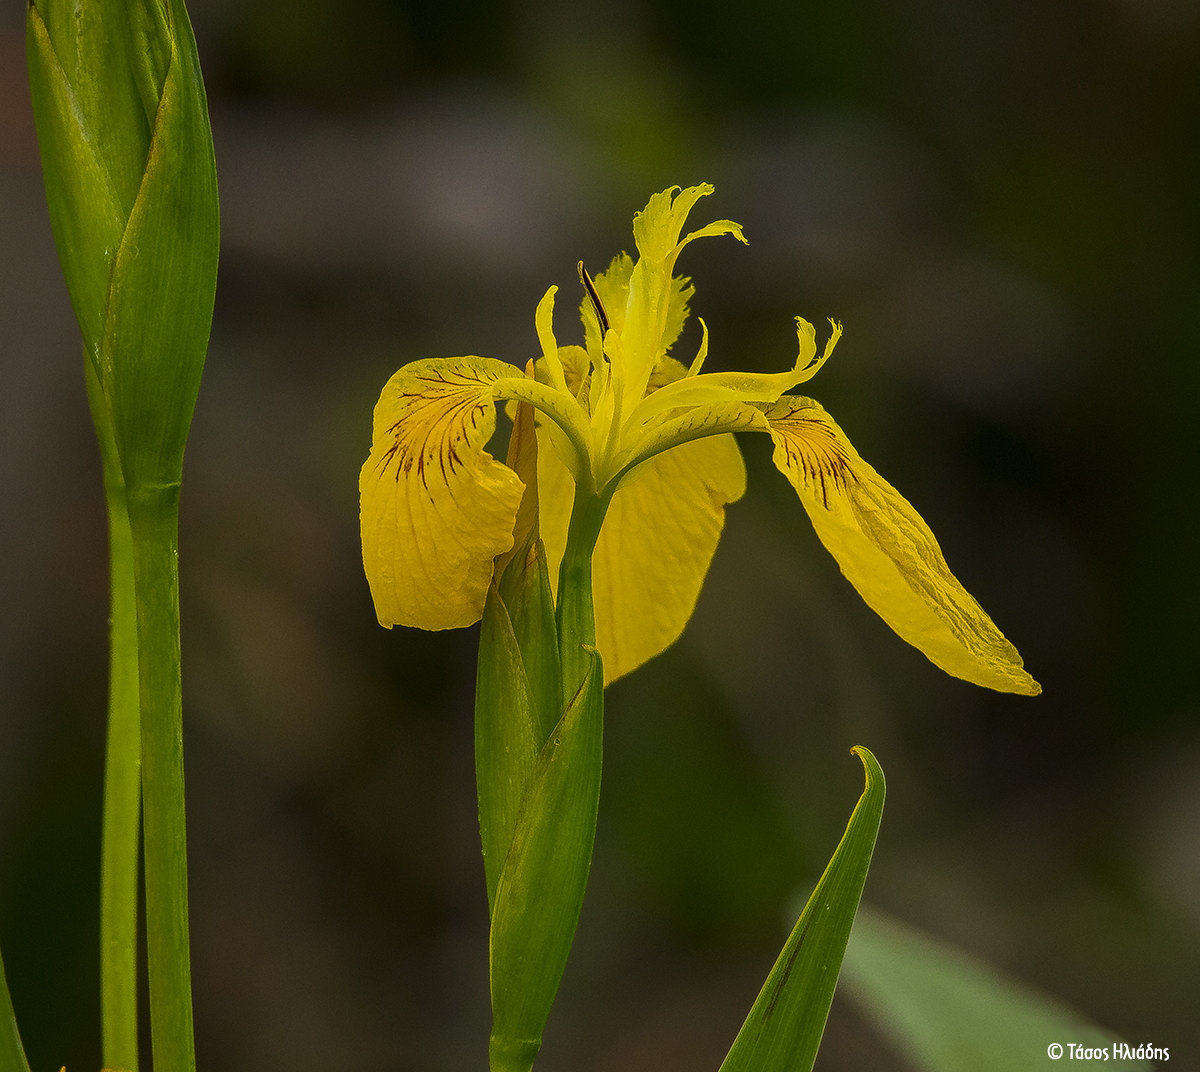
[622,423]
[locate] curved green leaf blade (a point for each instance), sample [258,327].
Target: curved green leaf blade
[784,1027]
[12,1053]
[946,1011]
[541,887]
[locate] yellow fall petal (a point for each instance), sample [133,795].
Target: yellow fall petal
[660,533]
[436,508]
[887,551]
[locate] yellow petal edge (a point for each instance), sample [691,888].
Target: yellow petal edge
[659,536]
[887,552]
[435,507]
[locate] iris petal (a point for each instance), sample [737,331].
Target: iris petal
[886,550]
[654,313]
[436,508]
[658,539]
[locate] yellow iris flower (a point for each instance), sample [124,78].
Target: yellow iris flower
[637,463]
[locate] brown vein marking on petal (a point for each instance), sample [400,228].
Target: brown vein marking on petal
[433,425]
[812,447]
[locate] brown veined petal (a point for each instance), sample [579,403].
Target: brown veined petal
[887,552]
[658,539]
[435,507]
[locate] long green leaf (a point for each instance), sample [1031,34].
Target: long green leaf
[121,837]
[541,887]
[947,1011]
[506,737]
[784,1027]
[154,525]
[523,577]
[12,1053]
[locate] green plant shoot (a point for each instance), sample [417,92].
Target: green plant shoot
[784,1028]
[130,180]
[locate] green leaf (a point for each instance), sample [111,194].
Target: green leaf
[88,191]
[95,54]
[542,885]
[12,1053]
[121,838]
[506,736]
[947,1011]
[525,589]
[149,52]
[784,1027]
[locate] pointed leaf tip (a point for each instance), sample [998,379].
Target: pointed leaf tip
[784,1028]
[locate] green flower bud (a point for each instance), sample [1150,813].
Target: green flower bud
[131,184]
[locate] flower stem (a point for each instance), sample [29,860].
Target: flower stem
[122,772]
[575,611]
[154,524]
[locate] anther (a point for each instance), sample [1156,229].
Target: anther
[597,304]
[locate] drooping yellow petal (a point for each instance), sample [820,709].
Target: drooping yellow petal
[658,539]
[887,551]
[435,507]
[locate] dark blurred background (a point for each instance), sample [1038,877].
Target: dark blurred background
[998,200]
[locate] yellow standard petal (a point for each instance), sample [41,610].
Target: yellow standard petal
[436,508]
[887,551]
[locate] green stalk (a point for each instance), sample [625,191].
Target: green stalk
[154,525]
[122,772]
[575,611]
